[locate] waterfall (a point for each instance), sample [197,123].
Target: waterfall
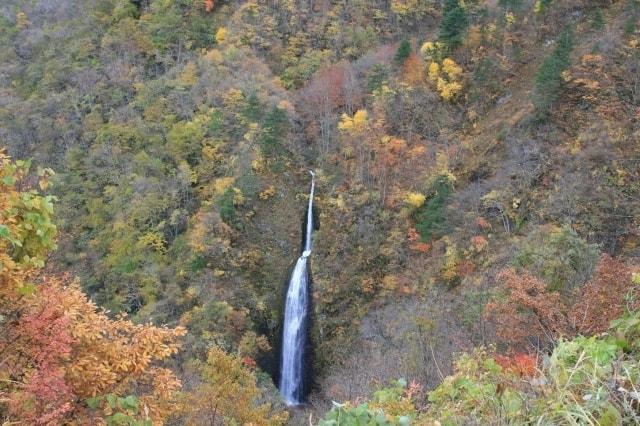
[295,319]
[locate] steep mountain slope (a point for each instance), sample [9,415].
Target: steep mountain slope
[451,140]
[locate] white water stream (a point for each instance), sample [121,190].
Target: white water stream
[295,316]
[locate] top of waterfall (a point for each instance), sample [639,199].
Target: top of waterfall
[312,173]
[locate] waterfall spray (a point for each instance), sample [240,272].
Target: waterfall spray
[295,318]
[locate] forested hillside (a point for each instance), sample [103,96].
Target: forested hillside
[477,210]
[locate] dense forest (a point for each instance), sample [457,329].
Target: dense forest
[476,254]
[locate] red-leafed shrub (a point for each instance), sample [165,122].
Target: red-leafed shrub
[533,313]
[530,313]
[602,299]
[522,364]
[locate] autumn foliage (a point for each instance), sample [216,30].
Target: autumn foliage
[413,70]
[227,394]
[521,363]
[604,298]
[532,313]
[57,349]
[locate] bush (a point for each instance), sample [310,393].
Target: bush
[585,380]
[388,406]
[548,80]
[573,387]
[558,256]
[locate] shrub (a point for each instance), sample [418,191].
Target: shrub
[530,313]
[558,256]
[586,380]
[549,77]
[388,406]
[605,296]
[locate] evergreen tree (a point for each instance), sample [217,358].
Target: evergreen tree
[403,52]
[253,109]
[549,77]
[431,219]
[227,206]
[274,126]
[454,24]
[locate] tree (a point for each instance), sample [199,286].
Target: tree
[274,127]
[454,24]
[413,70]
[57,349]
[549,77]
[403,52]
[431,216]
[228,394]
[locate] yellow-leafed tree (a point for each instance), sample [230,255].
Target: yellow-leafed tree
[228,394]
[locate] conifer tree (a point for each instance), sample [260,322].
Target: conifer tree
[403,52]
[454,24]
[549,77]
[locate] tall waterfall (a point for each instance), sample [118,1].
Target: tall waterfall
[295,316]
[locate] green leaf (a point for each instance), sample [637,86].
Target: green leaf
[403,421]
[492,366]
[119,419]
[129,403]
[610,416]
[112,399]
[511,402]
[93,402]
[27,289]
